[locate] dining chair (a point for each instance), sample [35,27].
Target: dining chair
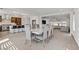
[43,34]
[28,31]
[19,28]
[50,32]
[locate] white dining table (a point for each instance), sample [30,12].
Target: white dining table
[37,31]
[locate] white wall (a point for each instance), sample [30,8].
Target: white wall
[59,18]
[75,32]
[38,20]
[25,20]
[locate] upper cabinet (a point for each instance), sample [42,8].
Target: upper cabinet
[16,20]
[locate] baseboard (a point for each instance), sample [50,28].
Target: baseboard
[75,39]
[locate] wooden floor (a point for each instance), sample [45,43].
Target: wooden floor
[60,41]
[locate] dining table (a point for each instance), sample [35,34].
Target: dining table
[36,32]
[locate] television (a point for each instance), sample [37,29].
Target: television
[43,21]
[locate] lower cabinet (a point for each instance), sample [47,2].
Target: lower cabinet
[5,27]
[0,28]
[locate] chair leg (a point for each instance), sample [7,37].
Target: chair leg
[44,45]
[30,44]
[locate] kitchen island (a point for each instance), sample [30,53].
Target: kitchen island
[5,25]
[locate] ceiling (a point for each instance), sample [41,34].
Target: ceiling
[39,11]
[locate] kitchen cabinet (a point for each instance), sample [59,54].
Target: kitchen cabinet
[0,28]
[5,27]
[16,20]
[0,18]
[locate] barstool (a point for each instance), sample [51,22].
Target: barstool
[23,28]
[19,28]
[11,29]
[15,29]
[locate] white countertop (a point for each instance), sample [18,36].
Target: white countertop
[6,23]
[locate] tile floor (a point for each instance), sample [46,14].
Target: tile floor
[60,41]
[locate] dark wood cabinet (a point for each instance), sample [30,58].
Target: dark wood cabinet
[0,28]
[16,20]
[0,18]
